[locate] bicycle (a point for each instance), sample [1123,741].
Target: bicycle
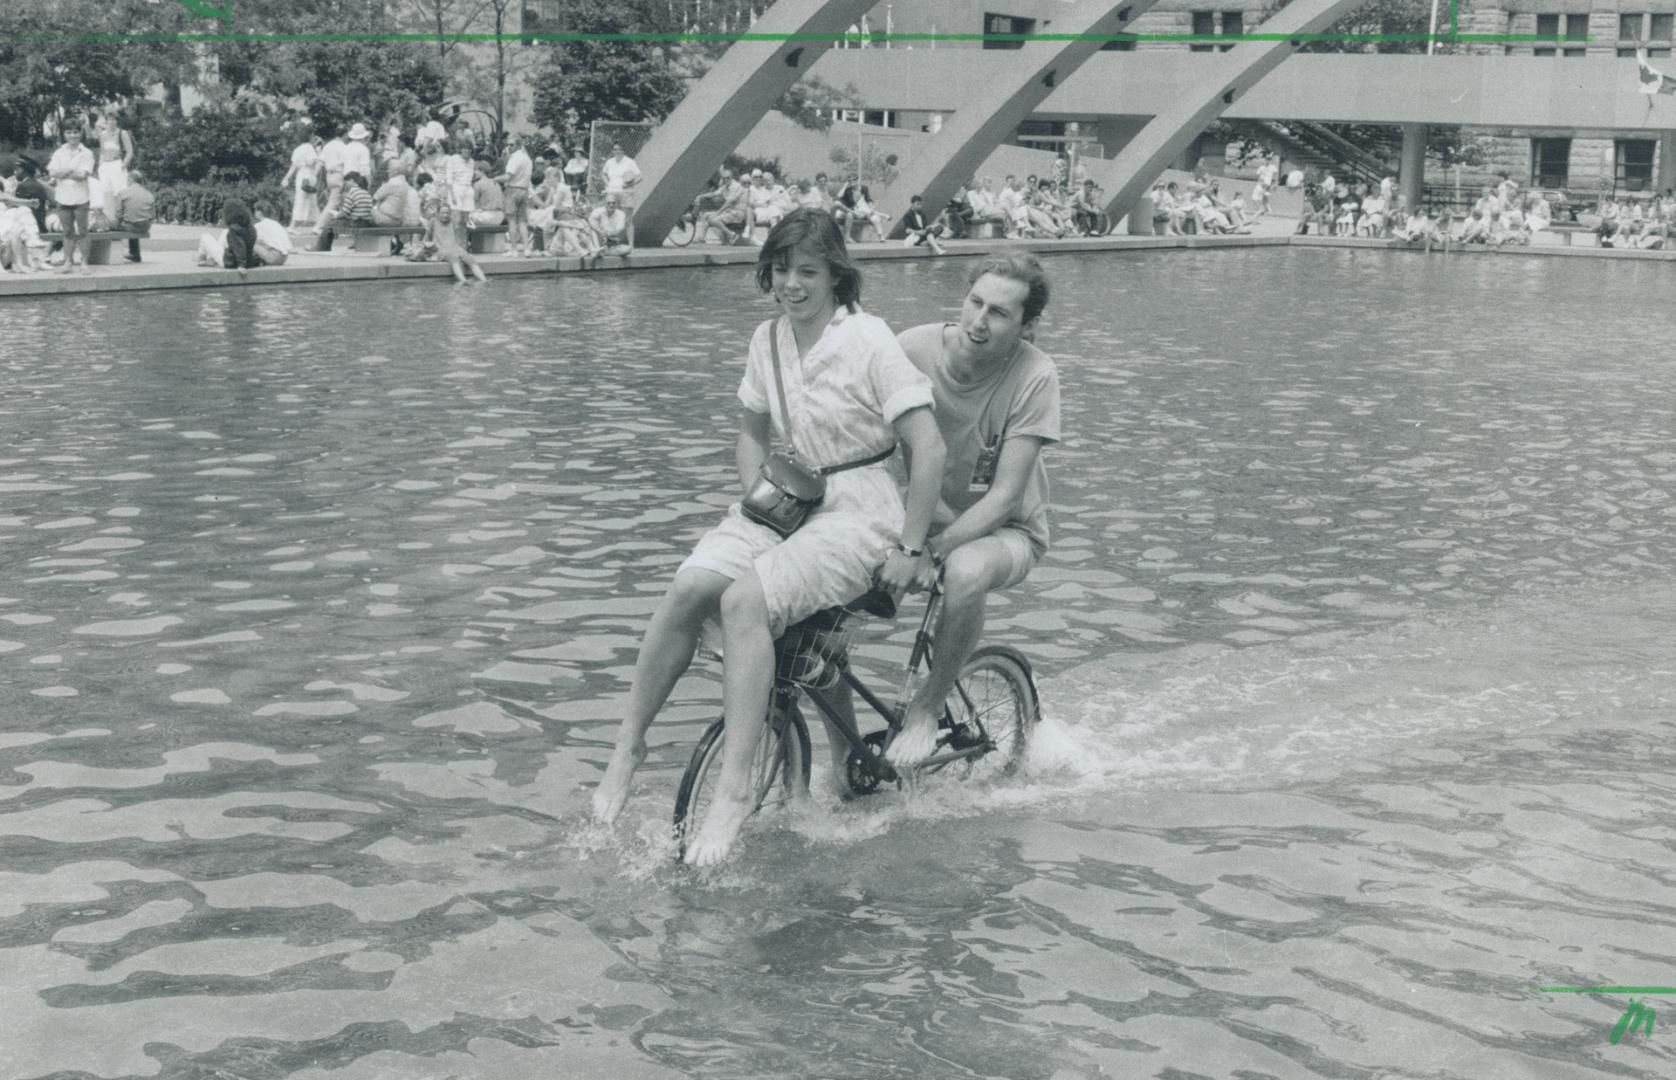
[685,229]
[989,712]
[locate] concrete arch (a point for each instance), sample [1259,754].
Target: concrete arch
[1167,134]
[727,103]
[1015,84]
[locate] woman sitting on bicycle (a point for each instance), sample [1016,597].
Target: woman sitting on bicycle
[852,394]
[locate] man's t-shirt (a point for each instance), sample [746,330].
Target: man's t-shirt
[390,202]
[332,157]
[518,169]
[72,192]
[620,173]
[974,419]
[32,188]
[607,222]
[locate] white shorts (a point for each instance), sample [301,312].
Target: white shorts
[829,561]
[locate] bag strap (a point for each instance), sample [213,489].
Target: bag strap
[780,382]
[785,411]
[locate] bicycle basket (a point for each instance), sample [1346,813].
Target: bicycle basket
[806,652]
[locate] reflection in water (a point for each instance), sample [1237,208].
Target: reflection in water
[1354,644]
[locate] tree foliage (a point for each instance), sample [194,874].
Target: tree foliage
[583,81]
[49,67]
[232,142]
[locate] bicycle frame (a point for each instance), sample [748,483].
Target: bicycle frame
[846,727]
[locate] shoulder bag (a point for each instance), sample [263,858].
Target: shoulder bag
[786,491]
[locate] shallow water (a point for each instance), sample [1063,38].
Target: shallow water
[1354,643]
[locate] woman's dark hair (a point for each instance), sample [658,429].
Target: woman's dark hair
[813,231]
[422,179]
[235,213]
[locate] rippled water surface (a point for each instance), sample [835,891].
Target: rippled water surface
[1355,644]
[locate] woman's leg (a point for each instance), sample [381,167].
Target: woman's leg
[747,678]
[665,654]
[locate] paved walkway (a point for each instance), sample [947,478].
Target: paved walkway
[169,259]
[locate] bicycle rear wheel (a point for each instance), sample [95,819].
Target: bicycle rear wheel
[682,234]
[772,777]
[995,695]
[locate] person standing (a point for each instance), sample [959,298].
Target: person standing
[135,210]
[333,164]
[304,178]
[357,155]
[621,174]
[116,155]
[515,183]
[70,169]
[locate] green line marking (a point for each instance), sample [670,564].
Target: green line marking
[200,9]
[1608,989]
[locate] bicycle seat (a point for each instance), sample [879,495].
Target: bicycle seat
[875,602]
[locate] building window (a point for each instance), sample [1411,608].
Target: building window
[1634,164]
[1550,162]
[1204,26]
[1656,53]
[1548,26]
[1626,52]
[1661,27]
[1575,52]
[1006,24]
[1629,27]
[1577,27]
[1119,45]
[1233,25]
[1544,52]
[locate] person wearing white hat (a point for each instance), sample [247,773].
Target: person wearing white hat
[357,155]
[332,164]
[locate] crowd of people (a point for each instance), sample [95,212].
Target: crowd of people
[89,185]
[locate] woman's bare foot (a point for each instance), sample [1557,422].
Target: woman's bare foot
[613,790]
[720,829]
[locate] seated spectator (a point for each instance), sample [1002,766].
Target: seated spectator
[764,210]
[986,206]
[1210,218]
[958,215]
[843,206]
[393,204]
[1538,214]
[1163,212]
[918,229]
[212,248]
[490,199]
[1475,229]
[240,251]
[135,210]
[610,225]
[866,213]
[1011,203]
[355,209]
[273,243]
[1372,223]
[1085,208]
[17,229]
[732,218]
[1349,208]
[28,187]
[1513,229]
[811,196]
[451,246]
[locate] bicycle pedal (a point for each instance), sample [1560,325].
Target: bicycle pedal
[962,737]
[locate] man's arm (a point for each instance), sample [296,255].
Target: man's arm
[1001,503]
[918,429]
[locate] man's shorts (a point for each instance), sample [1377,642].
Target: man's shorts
[74,219]
[1008,553]
[734,218]
[517,202]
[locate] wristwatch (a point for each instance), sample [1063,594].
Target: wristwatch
[912,553]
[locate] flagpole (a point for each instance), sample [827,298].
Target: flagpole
[1431,40]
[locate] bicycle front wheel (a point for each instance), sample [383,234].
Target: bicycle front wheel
[682,234]
[779,769]
[996,696]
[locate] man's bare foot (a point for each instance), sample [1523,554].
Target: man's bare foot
[613,790]
[720,829]
[917,739]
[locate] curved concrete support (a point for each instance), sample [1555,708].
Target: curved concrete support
[1015,83]
[727,103]
[1167,134]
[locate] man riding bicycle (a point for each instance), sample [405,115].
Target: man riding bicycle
[996,406]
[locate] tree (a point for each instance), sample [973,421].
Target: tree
[583,81]
[49,67]
[873,166]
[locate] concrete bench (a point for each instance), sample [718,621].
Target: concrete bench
[380,239]
[97,248]
[486,239]
[1565,232]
